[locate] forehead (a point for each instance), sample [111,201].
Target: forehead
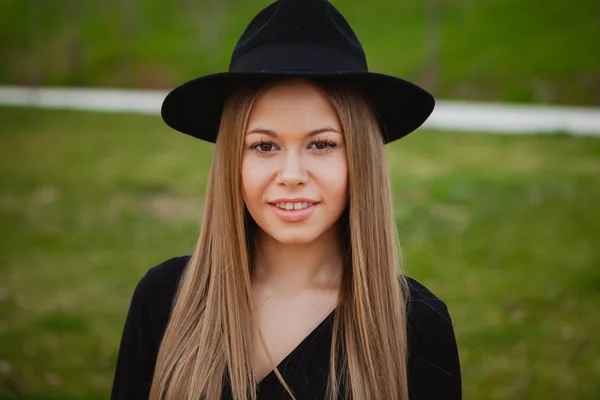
[296,104]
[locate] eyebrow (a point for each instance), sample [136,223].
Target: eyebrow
[309,134]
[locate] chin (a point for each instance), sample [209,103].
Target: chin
[292,237]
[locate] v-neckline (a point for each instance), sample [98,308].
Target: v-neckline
[296,349]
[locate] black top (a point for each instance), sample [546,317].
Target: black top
[433,365]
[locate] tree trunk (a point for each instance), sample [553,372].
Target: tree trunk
[213,18]
[33,70]
[433,46]
[74,48]
[129,23]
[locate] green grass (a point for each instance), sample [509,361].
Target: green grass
[505,229]
[509,50]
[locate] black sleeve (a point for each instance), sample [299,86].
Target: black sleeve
[137,352]
[434,367]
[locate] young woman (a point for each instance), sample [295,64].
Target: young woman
[294,289]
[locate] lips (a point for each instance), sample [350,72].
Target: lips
[293,210]
[293,206]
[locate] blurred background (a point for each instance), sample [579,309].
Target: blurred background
[508,50]
[504,228]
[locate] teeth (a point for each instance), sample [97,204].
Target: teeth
[292,206]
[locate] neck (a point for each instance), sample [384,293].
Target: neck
[295,267]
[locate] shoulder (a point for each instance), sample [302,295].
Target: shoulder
[163,278]
[156,290]
[428,317]
[146,321]
[433,362]
[423,305]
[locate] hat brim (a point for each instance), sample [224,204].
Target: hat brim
[195,107]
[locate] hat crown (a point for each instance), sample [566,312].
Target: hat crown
[297,38]
[315,22]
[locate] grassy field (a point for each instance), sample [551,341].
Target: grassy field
[509,50]
[505,229]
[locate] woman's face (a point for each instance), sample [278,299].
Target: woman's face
[294,169]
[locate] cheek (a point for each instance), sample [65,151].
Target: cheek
[253,182]
[334,180]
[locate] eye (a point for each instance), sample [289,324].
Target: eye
[322,145]
[263,147]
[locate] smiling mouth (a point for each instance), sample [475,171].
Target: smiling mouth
[293,206]
[293,212]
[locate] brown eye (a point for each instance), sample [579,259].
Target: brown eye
[322,145]
[266,147]
[263,147]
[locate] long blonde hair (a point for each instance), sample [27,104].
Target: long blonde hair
[208,342]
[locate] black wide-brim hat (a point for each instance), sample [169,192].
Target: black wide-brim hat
[297,38]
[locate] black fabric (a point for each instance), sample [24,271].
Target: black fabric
[300,21]
[434,370]
[298,57]
[299,38]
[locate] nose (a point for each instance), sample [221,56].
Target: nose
[292,171]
